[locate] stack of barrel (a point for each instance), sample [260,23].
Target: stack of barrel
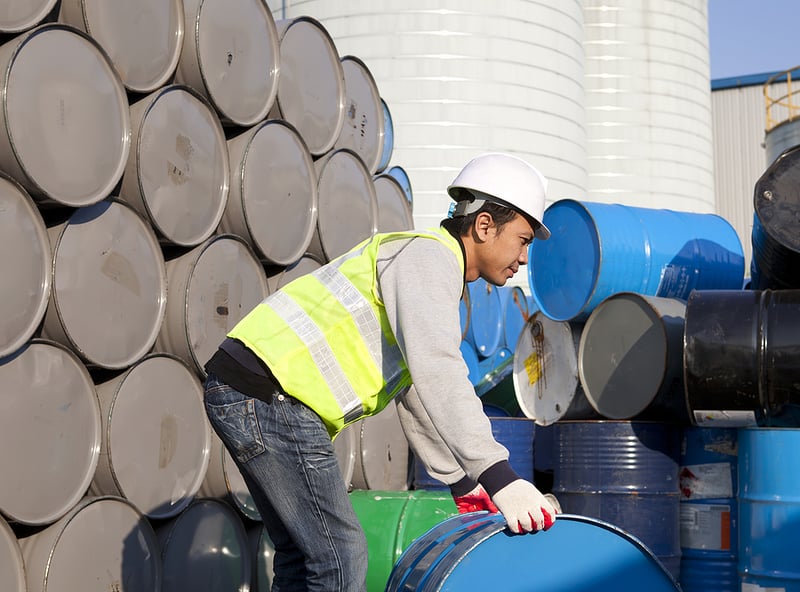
[164,165]
[668,384]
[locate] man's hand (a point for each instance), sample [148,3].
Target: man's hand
[474,501]
[524,507]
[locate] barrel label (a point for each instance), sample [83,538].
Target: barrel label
[724,419]
[706,526]
[706,481]
[533,369]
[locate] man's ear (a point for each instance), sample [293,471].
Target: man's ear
[483,223]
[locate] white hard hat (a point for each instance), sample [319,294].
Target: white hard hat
[504,179]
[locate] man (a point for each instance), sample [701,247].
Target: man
[342,342]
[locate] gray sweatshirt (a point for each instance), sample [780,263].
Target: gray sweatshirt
[421,284]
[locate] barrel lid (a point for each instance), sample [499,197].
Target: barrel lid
[624,353]
[101,542]
[388,138]
[474,551]
[207,542]
[225,282]
[394,209]
[72,148]
[279,192]
[515,314]
[143,38]
[109,285]
[347,203]
[485,330]
[382,453]
[401,175]
[777,202]
[26,257]
[52,425]
[157,436]
[224,480]
[19,15]
[306,264]
[311,91]
[563,270]
[545,368]
[179,168]
[231,54]
[363,129]
[12,568]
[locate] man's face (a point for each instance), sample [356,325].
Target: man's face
[503,251]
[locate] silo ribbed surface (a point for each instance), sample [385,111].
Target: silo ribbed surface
[463,79]
[648,104]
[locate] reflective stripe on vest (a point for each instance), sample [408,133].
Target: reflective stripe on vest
[327,339]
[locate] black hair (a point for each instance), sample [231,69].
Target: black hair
[461,225]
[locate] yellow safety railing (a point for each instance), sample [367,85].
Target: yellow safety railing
[785,107]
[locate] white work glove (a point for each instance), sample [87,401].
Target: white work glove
[524,507]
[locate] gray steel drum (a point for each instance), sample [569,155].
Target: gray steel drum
[394,210]
[546,371]
[12,568]
[50,432]
[311,90]
[364,124]
[263,551]
[345,445]
[205,549]
[348,206]
[388,138]
[231,55]
[142,38]
[26,259]
[109,285]
[382,453]
[212,287]
[281,276]
[630,358]
[224,480]
[273,197]
[156,440]
[177,175]
[71,148]
[19,15]
[103,543]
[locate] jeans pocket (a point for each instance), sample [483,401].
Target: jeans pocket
[233,417]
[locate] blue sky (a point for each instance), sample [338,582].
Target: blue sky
[753,36]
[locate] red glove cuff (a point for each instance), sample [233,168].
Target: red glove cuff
[475,503]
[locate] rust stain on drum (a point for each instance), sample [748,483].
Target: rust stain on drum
[119,268]
[169,439]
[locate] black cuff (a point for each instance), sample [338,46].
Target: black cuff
[497,476]
[463,486]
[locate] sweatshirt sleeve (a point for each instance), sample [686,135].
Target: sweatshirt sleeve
[420,284]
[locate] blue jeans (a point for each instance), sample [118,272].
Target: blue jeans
[287,459]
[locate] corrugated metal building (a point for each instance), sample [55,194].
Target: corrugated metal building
[742,147]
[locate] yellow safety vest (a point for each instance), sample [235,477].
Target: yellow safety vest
[327,339]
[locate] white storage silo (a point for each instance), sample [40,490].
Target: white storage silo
[462,78]
[648,104]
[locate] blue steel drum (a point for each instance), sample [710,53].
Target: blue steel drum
[515,433]
[625,473]
[463,313]
[476,552]
[769,509]
[485,331]
[709,512]
[597,250]
[400,174]
[473,364]
[515,314]
[388,138]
